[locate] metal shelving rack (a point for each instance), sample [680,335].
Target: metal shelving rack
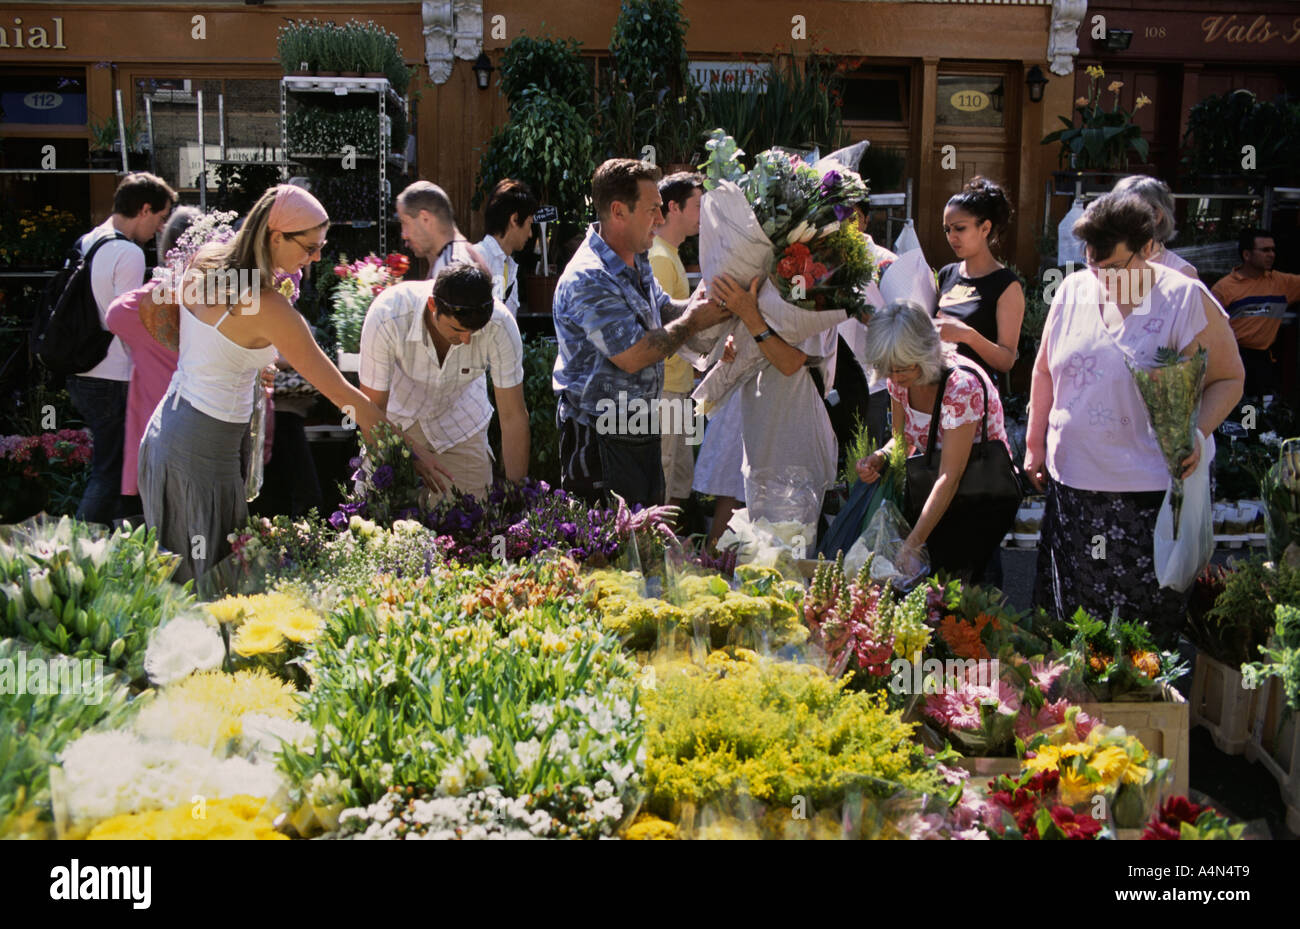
[343,86]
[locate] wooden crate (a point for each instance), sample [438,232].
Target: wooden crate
[1222,705]
[1275,744]
[1160,725]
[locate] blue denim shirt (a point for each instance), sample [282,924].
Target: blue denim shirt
[603,307]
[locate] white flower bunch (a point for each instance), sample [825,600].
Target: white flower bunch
[105,774]
[186,644]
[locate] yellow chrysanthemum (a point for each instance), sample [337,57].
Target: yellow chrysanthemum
[1070,749]
[239,817]
[648,827]
[299,625]
[1136,774]
[258,637]
[208,708]
[229,610]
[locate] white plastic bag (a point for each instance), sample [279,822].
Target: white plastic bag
[1179,560]
[256,443]
[884,537]
[907,240]
[910,278]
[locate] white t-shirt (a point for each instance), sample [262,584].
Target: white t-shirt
[505,273]
[118,267]
[1176,262]
[449,400]
[1099,436]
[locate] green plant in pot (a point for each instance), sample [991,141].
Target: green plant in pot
[1219,128]
[296,47]
[372,45]
[1104,138]
[331,50]
[554,66]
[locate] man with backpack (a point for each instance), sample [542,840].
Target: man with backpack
[140,207]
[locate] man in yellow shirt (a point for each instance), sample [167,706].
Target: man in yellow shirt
[681,194]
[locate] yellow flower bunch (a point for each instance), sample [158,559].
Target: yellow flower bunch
[1100,764]
[1096,71]
[647,827]
[240,817]
[208,708]
[267,622]
[771,731]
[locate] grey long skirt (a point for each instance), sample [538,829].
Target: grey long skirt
[192,484]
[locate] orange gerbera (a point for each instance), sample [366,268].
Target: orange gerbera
[1147,662]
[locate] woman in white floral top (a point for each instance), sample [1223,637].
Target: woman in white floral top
[905,346]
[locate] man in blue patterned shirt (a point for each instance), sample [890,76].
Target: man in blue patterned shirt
[615,327]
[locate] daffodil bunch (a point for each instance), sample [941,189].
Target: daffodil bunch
[1104,138]
[1107,769]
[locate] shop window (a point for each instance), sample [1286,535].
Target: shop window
[974,100]
[49,98]
[876,96]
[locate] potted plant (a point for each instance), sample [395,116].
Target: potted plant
[1104,139]
[372,45]
[546,143]
[296,47]
[103,140]
[329,50]
[350,39]
[1220,127]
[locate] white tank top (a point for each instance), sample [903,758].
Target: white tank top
[215,375]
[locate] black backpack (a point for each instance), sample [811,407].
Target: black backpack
[67,335]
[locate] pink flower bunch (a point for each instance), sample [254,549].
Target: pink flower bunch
[1051,714]
[958,707]
[845,628]
[67,450]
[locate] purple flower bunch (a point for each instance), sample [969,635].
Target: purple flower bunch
[519,520]
[385,484]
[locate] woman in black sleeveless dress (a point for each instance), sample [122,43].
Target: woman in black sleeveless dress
[981,302]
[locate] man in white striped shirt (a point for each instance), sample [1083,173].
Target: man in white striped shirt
[425,348]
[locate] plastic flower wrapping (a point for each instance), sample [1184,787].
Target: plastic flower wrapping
[1171,393]
[215,227]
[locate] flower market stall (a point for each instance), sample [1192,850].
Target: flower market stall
[529,667]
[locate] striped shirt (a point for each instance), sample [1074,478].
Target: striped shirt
[448,398]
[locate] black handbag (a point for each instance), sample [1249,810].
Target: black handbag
[984,508]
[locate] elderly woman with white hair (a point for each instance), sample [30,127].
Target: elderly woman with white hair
[904,345]
[1161,199]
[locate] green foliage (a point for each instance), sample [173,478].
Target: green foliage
[1238,624]
[1219,127]
[319,130]
[545,145]
[1283,654]
[553,66]
[242,184]
[438,685]
[67,586]
[35,727]
[797,108]
[861,447]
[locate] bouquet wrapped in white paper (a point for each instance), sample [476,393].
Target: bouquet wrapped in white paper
[792,224]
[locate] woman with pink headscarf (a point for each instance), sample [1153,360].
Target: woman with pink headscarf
[232,321]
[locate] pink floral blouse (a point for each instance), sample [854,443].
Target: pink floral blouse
[963,402]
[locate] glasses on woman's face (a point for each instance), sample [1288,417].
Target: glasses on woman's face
[311,250]
[1112,265]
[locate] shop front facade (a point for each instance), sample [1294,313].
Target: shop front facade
[944,84]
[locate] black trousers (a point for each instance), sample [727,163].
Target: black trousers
[595,466]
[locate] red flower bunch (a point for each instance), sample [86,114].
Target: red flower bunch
[398,264]
[1165,824]
[797,259]
[66,450]
[1027,801]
